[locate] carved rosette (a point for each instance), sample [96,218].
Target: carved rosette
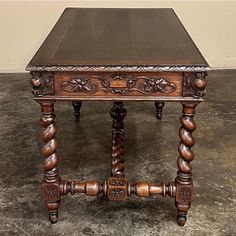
[157,85]
[184,194]
[79,85]
[118,84]
[42,83]
[194,84]
[51,177]
[117,189]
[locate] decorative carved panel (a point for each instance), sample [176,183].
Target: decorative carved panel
[117,189]
[117,85]
[42,83]
[51,192]
[184,193]
[194,84]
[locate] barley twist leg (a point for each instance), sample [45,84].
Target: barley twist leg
[51,179]
[77,106]
[184,183]
[118,113]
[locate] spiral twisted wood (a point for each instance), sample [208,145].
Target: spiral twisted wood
[118,113]
[51,176]
[186,155]
[186,142]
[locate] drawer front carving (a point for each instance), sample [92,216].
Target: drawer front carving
[149,84]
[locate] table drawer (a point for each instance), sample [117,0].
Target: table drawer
[117,84]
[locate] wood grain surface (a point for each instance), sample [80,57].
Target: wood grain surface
[86,36]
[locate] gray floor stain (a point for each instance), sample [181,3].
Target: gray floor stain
[150,151]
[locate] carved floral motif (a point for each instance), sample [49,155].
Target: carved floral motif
[118,193]
[42,83]
[79,85]
[51,192]
[141,84]
[158,85]
[117,189]
[184,194]
[194,84]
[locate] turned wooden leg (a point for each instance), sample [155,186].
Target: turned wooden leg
[159,106]
[118,113]
[51,179]
[184,183]
[77,106]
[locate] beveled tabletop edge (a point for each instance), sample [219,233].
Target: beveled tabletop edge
[117,68]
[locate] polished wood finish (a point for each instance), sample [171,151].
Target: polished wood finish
[184,183]
[77,106]
[51,179]
[117,188]
[118,55]
[118,113]
[117,84]
[118,37]
[159,107]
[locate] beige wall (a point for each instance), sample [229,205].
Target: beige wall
[24,26]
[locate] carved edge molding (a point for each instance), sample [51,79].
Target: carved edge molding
[124,68]
[194,84]
[42,83]
[129,84]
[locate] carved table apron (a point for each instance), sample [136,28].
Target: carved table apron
[118,82]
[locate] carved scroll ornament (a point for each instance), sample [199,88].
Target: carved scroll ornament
[118,84]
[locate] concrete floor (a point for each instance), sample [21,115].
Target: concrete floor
[85,154]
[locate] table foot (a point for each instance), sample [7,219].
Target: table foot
[159,106]
[53,217]
[77,106]
[181,220]
[118,113]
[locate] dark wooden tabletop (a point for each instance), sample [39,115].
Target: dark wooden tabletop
[87,36]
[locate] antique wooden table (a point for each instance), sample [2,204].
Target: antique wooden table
[118,55]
